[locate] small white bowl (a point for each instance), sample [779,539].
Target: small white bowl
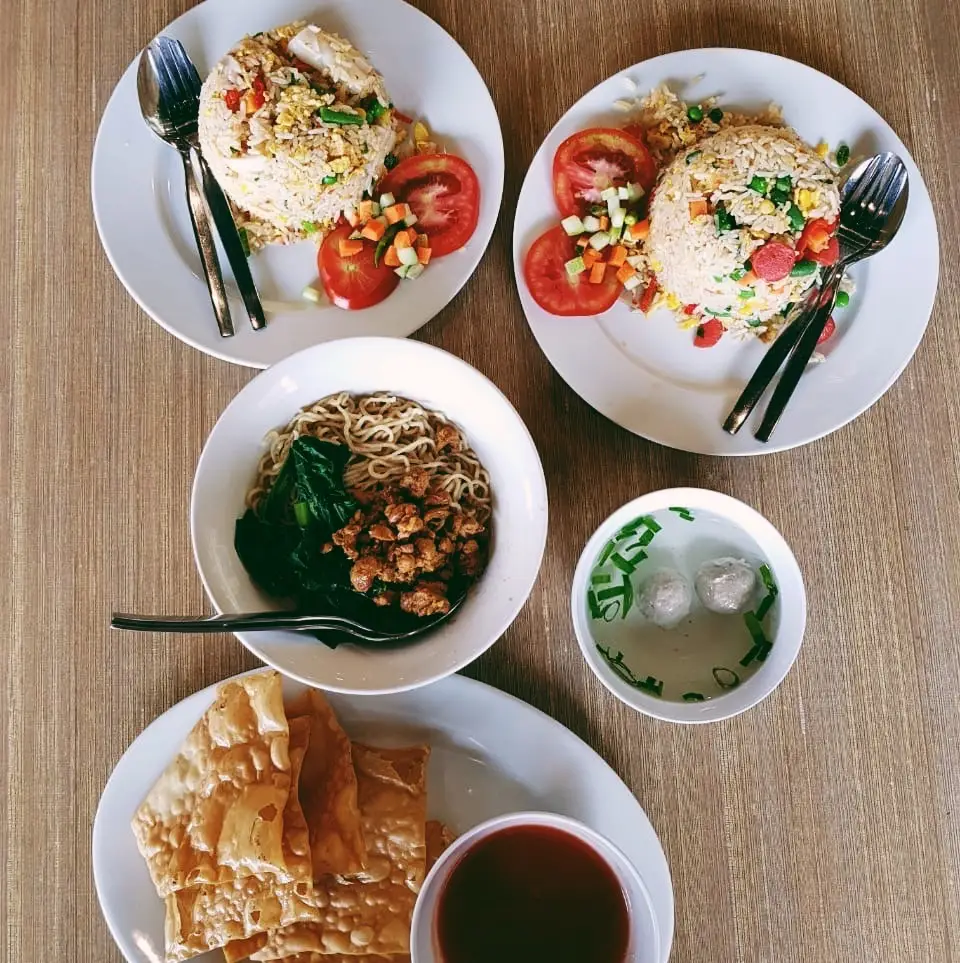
[438,381]
[644,946]
[746,532]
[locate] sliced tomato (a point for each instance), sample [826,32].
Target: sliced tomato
[828,330]
[558,292]
[593,160]
[829,255]
[444,193]
[708,333]
[815,235]
[353,282]
[645,301]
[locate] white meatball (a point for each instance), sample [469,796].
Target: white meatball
[726,585]
[665,598]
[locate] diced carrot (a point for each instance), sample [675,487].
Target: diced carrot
[583,241]
[699,208]
[349,248]
[412,234]
[365,210]
[597,272]
[618,254]
[626,272]
[424,254]
[748,279]
[396,213]
[374,230]
[391,258]
[352,218]
[591,256]
[604,223]
[421,241]
[402,240]
[640,230]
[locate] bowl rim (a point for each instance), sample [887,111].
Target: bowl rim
[540,497]
[621,866]
[790,630]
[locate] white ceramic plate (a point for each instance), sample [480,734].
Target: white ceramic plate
[492,754]
[138,192]
[439,381]
[643,372]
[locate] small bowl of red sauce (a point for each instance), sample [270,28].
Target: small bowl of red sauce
[529,887]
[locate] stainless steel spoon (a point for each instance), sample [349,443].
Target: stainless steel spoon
[155,89]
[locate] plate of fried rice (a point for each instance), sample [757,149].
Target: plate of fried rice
[673,217]
[328,144]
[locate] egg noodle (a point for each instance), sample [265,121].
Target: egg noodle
[387,436]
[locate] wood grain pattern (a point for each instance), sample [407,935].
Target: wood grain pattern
[822,825]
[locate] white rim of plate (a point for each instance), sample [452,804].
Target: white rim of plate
[661,897]
[226,349]
[568,363]
[792,599]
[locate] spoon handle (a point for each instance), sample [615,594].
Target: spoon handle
[230,239]
[200,220]
[247,622]
[797,364]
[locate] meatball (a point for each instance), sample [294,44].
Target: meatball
[726,585]
[665,598]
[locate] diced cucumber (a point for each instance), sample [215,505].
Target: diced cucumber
[599,240]
[615,234]
[572,225]
[591,223]
[375,210]
[630,219]
[632,282]
[310,293]
[402,270]
[610,194]
[623,193]
[613,205]
[410,219]
[355,236]
[414,271]
[618,217]
[575,266]
[635,261]
[387,200]
[408,256]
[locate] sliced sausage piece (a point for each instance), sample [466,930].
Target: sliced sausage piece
[774,261]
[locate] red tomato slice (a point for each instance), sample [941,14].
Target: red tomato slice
[645,301]
[558,292]
[444,193]
[593,160]
[828,330]
[353,282]
[708,333]
[829,255]
[815,235]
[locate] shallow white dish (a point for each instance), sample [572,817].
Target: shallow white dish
[732,528]
[138,193]
[491,754]
[643,372]
[439,381]
[644,946]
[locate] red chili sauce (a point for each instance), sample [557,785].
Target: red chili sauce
[532,894]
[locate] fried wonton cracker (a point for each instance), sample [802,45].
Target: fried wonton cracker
[328,790]
[208,916]
[216,813]
[370,914]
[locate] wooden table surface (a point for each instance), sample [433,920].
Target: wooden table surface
[822,825]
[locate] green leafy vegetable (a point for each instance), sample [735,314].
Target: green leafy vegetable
[373,108]
[843,155]
[330,115]
[723,219]
[391,161]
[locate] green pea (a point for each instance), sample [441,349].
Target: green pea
[695,114]
[795,216]
[843,155]
[758,184]
[329,179]
[716,115]
[784,184]
[803,269]
[843,299]
[779,197]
